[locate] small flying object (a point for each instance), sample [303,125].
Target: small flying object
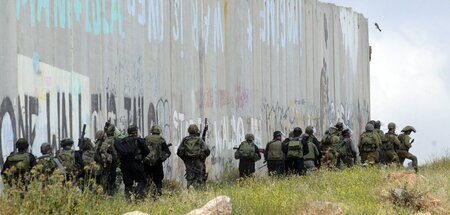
[377,26]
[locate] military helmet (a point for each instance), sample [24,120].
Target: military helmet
[309,130]
[22,144]
[332,130]
[66,142]
[339,125]
[46,148]
[372,122]
[297,131]
[156,129]
[346,132]
[391,125]
[377,124]
[408,128]
[99,135]
[132,129]
[193,129]
[369,127]
[249,137]
[277,133]
[110,129]
[85,144]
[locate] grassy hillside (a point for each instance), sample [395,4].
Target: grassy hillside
[355,191]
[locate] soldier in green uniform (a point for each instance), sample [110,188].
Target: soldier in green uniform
[275,155]
[193,151]
[389,143]
[296,149]
[377,130]
[70,162]
[18,164]
[328,142]
[108,158]
[47,163]
[248,154]
[153,163]
[369,142]
[345,151]
[312,158]
[405,144]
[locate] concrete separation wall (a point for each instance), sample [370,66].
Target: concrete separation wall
[247,65]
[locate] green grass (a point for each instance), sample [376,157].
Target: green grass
[357,190]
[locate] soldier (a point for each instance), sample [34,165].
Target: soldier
[132,150]
[328,142]
[248,154]
[275,155]
[340,127]
[369,142]
[312,158]
[89,166]
[345,151]
[405,144]
[390,142]
[18,164]
[70,162]
[377,130]
[193,151]
[296,149]
[153,162]
[47,163]
[109,159]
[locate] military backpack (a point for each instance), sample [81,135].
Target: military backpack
[246,150]
[368,142]
[192,146]
[21,161]
[105,152]
[154,143]
[295,148]
[67,158]
[343,148]
[386,143]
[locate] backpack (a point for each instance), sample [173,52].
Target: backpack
[67,158]
[88,157]
[326,140]
[192,147]
[46,163]
[342,148]
[295,148]
[154,143]
[246,150]
[368,142]
[386,143]
[402,146]
[21,161]
[125,148]
[104,153]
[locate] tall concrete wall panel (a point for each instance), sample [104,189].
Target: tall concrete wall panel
[248,66]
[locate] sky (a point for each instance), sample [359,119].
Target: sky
[410,69]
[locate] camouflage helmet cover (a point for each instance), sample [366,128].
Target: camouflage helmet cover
[156,129]
[339,125]
[369,127]
[391,125]
[85,144]
[408,128]
[193,129]
[277,133]
[100,134]
[46,148]
[66,142]
[309,130]
[22,143]
[249,137]
[377,124]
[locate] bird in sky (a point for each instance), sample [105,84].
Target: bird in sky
[377,26]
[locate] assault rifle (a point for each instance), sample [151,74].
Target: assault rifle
[83,132]
[205,129]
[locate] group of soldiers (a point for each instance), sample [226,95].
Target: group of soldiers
[141,159]
[303,152]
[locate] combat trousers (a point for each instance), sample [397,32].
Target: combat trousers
[391,157]
[296,166]
[369,157]
[246,167]
[155,175]
[276,167]
[403,154]
[133,171]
